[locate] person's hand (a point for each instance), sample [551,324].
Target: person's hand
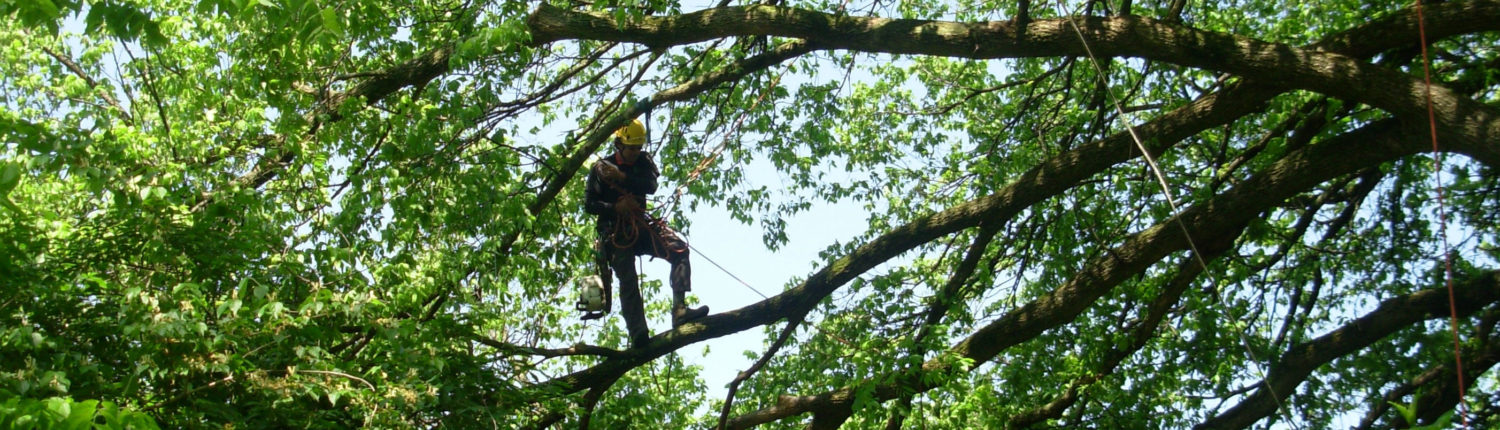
[609,172]
[627,205]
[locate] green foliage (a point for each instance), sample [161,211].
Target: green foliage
[64,413]
[329,214]
[1409,416]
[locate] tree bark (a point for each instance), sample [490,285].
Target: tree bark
[1459,118]
[1225,213]
[1467,127]
[1296,364]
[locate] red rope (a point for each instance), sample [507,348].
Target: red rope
[1437,173]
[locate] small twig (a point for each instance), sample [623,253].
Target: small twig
[341,374]
[363,163]
[178,397]
[734,386]
[78,71]
[576,349]
[149,74]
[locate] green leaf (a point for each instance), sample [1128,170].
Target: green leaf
[58,408]
[82,415]
[332,23]
[48,8]
[1408,413]
[10,176]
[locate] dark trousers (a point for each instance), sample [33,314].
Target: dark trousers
[618,248]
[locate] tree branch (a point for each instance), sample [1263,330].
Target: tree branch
[942,302]
[1209,222]
[78,71]
[734,386]
[576,349]
[1459,118]
[1297,363]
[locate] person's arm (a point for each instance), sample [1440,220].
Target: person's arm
[644,181]
[593,193]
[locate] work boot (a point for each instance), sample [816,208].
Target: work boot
[682,316]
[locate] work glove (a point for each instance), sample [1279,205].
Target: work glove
[627,205]
[609,172]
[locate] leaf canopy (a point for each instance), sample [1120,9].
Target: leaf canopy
[359,213]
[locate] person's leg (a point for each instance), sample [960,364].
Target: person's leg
[681,284]
[675,250]
[632,307]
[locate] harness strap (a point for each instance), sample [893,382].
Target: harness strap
[627,229]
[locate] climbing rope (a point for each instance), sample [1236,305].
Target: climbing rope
[708,161]
[627,227]
[1437,176]
[1166,190]
[726,271]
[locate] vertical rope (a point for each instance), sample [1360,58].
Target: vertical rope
[1437,176]
[1166,190]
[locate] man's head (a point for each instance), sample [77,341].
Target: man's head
[630,139]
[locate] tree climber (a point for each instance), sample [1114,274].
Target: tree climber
[616,193]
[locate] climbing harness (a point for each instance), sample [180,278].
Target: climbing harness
[595,299]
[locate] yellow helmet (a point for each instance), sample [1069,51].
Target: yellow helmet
[633,134]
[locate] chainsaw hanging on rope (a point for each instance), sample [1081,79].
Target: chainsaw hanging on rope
[593,298]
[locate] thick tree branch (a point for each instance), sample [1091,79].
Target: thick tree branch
[576,349]
[1174,12]
[1188,270]
[992,39]
[1047,179]
[1208,222]
[415,72]
[1459,118]
[1296,364]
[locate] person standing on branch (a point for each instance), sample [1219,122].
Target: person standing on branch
[616,193]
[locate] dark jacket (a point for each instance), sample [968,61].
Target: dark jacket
[599,197]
